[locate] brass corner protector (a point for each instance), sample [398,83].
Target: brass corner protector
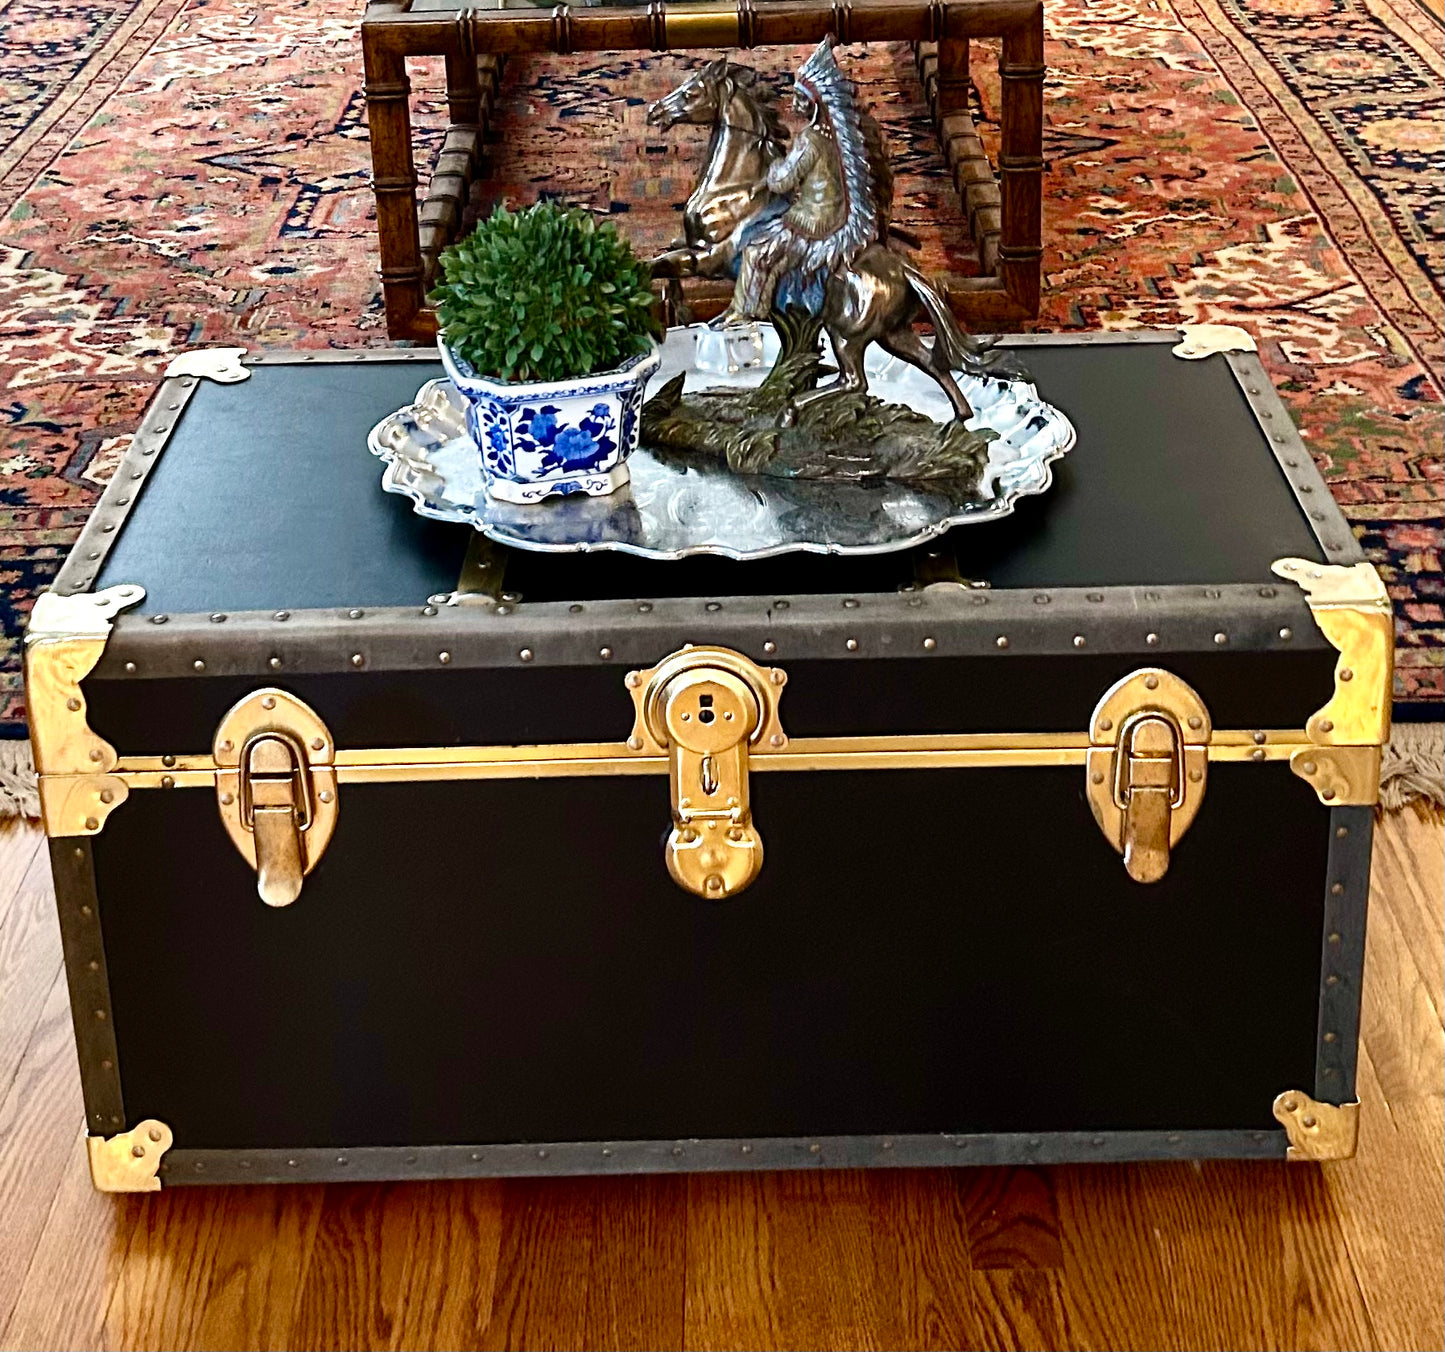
[131,1161]
[1198,341]
[64,640]
[1352,609]
[221,364]
[1317,1131]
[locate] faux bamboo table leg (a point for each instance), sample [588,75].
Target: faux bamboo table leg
[387,92]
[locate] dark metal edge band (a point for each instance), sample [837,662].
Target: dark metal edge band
[378,1163]
[943,620]
[73,869]
[1326,521]
[1342,952]
[85,560]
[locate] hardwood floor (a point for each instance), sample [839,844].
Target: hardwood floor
[1344,1255]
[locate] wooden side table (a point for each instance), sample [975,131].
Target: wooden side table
[1003,207]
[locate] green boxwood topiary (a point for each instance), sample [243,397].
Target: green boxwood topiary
[546,293]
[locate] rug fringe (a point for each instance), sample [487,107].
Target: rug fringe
[19,796]
[1413,771]
[1413,768]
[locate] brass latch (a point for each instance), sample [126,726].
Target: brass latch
[706,709]
[276,789]
[1147,765]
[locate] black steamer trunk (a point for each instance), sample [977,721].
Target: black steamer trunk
[490,968]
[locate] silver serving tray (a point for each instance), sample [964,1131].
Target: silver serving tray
[673,510]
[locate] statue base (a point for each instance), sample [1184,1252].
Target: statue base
[839,435]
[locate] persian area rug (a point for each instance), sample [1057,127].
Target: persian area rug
[173,175]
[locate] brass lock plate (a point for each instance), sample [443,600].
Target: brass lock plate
[276,789]
[707,709]
[1147,766]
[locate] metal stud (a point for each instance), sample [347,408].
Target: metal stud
[355,614]
[274,663]
[1221,638]
[713,606]
[282,615]
[604,653]
[1079,640]
[429,610]
[1151,683]
[1152,639]
[644,607]
[198,665]
[769,646]
[1001,641]
[504,610]
[850,603]
[525,654]
[358,660]
[930,643]
[852,645]
[444,657]
[218,618]
[159,619]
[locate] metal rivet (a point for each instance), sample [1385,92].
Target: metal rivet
[355,614]
[644,607]
[1334,936]
[318,744]
[1152,640]
[1079,640]
[1096,597]
[95,755]
[1042,599]
[888,1145]
[677,1150]
[1259,739]
[341,1160]
[1326,725]
[1175,1139]
[1346,674]
[93,555]
[282,615]
[525,654]
[815,1149]
[1105,724]
[1327,795]
[632,680]
[930,643]
[747,1150]
[782,603]
[1309,767]
[429,610]
[1331,1037]
[72,704]
[1034,1143]
[139,1151]
[274,663]
[159,619]
[168,760]
[604,653]
[512,596]
[292,1163]
[1332,980]
[1151,683]
[776,677]
[444,657]
[504,610]
[1267,592]
[1001,641]
[325,795]
[1286,633]
[1195,722]
[1257,754]
[1196,776]
[168,781]
[851,645]
[358,660]
[769,646]
[85,910]
[1341,832]
[1151,595]
[227,799]
[575,608]
[267,702]
[106,1065]
[100,1015]
[607,1152]
[218,618]
[130,668]
[1221,638]
[713,606]
[1212,593]
[1097,777]
[541,1154]
[850,603]
[198,665]
[1337,889]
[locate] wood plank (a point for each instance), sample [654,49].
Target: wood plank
[80,1252]
[1013,1219]
[353,1291]
[920,1237]
[1114,1287]
[636,1297]
[1322,1306]
[1392,1213]
[1407,882]
[39,1117]
[731,1300]
[1020,1308]
[29,946]
[263,1251]
[1399,1023]
[449,1279]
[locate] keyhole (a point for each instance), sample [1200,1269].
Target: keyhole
[709,776]
[705,712]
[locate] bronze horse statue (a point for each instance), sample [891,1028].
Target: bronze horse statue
[874,295]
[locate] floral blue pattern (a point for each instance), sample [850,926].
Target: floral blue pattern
[564,438]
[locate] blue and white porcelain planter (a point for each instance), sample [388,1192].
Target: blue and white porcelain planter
[558,437]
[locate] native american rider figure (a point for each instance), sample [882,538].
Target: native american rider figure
[811,236]
[833,194]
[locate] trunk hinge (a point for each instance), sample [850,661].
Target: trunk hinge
[705,708]
[1147,766]
[276,789]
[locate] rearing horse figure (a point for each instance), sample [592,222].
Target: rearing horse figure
[843,273]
